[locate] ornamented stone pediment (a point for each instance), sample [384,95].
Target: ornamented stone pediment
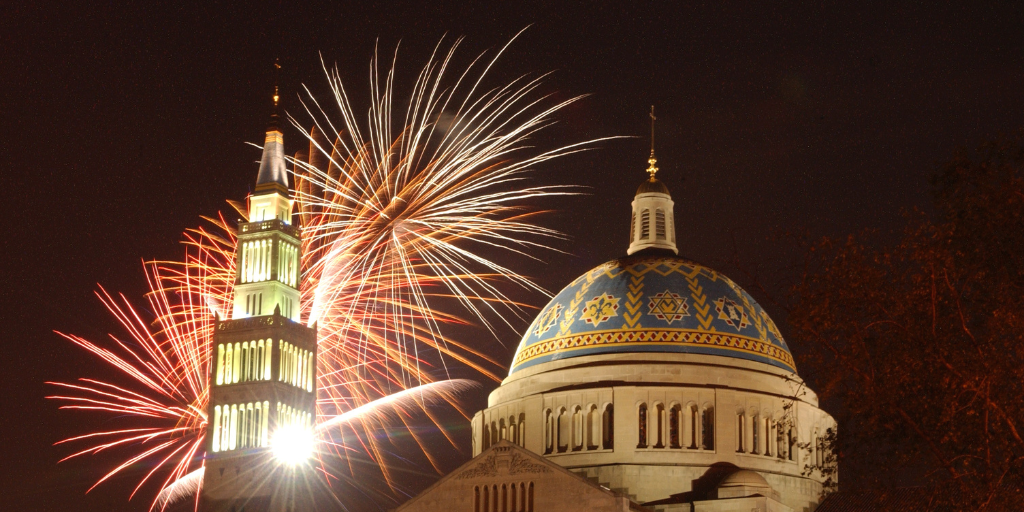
[520,465]
[487,467]
[504,460]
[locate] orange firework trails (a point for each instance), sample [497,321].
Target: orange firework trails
[394,214]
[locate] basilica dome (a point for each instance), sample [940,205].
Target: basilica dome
[650,375]
[652,302]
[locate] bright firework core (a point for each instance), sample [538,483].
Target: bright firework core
[292,445]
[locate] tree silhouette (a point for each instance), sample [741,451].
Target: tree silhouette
[919,344]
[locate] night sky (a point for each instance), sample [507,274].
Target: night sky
[122,124]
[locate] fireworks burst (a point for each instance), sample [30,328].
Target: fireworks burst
[396,217]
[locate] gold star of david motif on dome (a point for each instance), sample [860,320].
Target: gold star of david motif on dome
[547,319]
[600,309]
[668,306]
[732,313]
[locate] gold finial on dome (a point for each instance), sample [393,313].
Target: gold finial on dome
[652,169]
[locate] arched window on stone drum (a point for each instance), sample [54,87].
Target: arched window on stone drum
[780,440]
[707,428]
[768,436]
[790,442]
[755,427]
[659,432]
[691,427]
[513,432]
[659,224]
[522,429]
[549,432]
[819,451]
[741,435]
[608,427]
[494,433]
[563,430]
[674,432]
[813,449]
[577,429]
[645,225]
[502,431]
[593,427]
[641,418]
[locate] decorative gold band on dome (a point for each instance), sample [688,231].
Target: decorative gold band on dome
[625,338]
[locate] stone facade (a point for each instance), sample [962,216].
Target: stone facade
[508,478]
[715,399]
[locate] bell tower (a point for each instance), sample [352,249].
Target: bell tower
[262,403]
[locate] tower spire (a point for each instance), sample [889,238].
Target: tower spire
[652,169]
[272,165]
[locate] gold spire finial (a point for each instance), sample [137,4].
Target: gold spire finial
[652,169]
[277,78]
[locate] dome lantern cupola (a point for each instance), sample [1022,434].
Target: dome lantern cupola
[652,225]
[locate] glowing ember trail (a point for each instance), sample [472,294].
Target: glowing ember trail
[394,214]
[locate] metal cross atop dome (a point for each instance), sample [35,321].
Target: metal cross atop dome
[652,169]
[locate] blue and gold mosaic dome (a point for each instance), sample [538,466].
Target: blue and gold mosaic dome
[653,304]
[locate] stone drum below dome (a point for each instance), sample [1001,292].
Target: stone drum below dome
[652,304]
